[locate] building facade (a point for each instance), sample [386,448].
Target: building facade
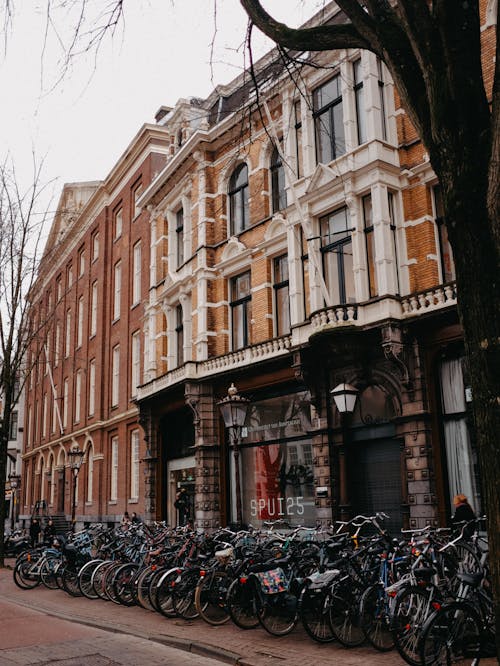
[290,243]
[86,307]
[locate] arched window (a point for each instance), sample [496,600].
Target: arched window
[277,181]
[238,199]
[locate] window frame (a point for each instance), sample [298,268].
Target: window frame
[118,222]
[134,464]
[136,273]
[135,363]
[115,376]
[238,200]
[278,181]
[79,331]
[280,283]
[369,233]
[93,309]
[117,290]
[337,246]
[179,236]
[328,110]
[179,335]
[359,101]
[92,386]
[245,303]
[114,461]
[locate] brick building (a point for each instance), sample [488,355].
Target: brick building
[86,307]
[290,250]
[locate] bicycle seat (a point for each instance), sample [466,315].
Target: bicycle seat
[474,580]
[424,572]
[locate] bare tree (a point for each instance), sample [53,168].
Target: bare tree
[21,226]
[433,51]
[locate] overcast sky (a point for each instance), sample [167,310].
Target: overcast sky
[82,123]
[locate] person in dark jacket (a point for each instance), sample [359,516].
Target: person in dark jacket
[463,513]
[49,532]
[35,530]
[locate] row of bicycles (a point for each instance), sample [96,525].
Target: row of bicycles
[425,592]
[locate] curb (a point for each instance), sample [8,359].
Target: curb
[195,647]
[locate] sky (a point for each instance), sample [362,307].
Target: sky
[79,119]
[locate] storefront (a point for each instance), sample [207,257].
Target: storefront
[277,480]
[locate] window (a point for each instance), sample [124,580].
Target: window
[90,473]
[93,310]
[115,385]
[78,395]
[281,295]
[30,426]
[81,263]
[329,121]
[179,335]
[95,246]
[370,245]
[113,495]
[55,419]
[381,89]
[447,263]
[136,285]
[299,169]
[67,342]
[79,336]
[117,291]
[44,416]
[461,457]
[47,352]
[240,310]
[336,249]
[179,235]
[13,426]
[392,218]
[137,191]
[136,362]
[57,349]
[238,199]
[70,276]
[277,181]
[65,402]
[59,288]
[134,464]
[118,223]
[92,387]
[359,97]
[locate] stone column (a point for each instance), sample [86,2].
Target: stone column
[150,463]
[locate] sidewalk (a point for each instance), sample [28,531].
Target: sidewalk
[227,643]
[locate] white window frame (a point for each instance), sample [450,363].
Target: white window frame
[57,349]
[136,273]
[65,402]
[118,223]
[113,492]
[78,396]
[44,418]
[79,337]
[92,387]
[81,263]
[115,383]
[67,341]
[95,246]
[93,311]
[134,465]
[135,365]
[117,290]
[90,474]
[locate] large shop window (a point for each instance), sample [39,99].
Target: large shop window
[461,458]
[277,461]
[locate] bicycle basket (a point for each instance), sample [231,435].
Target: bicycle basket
[272,581]
[224,556]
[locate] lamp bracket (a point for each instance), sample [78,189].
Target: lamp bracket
[396,352]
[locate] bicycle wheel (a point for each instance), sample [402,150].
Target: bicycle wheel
[70,582]
[375,618]
[123,583]
[241,604]
[107,586]
[210,597]
[412,607]
[99,577]
[142,583]
[26,574]
[451,635]
[278,613]
[49,572]
[164,602]
[314,613]
[85,579]
[183,594]
[344,618]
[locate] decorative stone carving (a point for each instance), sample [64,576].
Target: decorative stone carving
[395,351]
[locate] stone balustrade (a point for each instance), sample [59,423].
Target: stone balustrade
[431,299]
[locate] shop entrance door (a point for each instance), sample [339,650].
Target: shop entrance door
[375,480]
[180,474]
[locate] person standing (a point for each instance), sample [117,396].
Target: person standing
[49,532]
[35,530]
[182,505]
[463,513]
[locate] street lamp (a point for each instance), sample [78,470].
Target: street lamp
[234,410]
[14,484]
[344,396]
[75,461]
